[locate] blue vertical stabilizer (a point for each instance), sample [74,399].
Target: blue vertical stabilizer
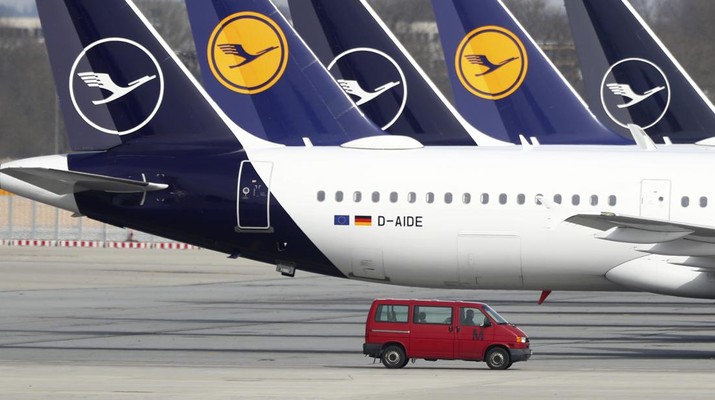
[118,81]
[504,84]
[266,79]
[631,78]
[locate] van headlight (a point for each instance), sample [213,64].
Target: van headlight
[522,339]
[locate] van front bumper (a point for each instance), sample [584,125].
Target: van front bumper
[520,354]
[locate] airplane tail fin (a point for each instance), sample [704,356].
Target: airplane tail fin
[266,79]
[504,84]
[630,77]
[119,82]
[364,56]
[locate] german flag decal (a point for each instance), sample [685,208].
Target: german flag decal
[363,220]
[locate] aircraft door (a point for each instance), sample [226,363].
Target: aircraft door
[655,199]
[253,206]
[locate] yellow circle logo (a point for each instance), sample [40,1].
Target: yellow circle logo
[491,62]
[248,52]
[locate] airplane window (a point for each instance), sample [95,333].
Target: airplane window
[448,198]
[502,198]
[484,198]
[375,197]
[612,200]
[520,198]
[538,198]
[685,201]
[411,197]
[393,197]
[575,199]
[357,196]
[703,202]
[430,197]
[321,196]
[557,198]
[338,196]
[594,200]
[466,198]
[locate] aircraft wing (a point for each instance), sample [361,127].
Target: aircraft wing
[66,182]
[659,236]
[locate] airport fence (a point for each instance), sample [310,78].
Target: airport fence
[23,220]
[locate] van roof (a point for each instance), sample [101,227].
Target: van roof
[428,301]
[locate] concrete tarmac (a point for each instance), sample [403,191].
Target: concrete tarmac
[153,324]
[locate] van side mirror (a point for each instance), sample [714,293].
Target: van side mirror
[487,323]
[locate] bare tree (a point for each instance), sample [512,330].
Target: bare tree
[171,21]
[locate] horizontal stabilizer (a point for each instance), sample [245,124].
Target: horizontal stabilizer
[641,137]
[606,221]
[66,182]
[635,235]
[669,238]
[393,142]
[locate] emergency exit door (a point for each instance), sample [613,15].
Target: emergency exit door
[655,199]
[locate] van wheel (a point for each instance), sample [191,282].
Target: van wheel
[394,357]
[498,358]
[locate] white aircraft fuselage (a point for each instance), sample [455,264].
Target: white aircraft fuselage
[460,239]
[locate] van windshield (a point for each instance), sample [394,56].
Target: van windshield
[495,316]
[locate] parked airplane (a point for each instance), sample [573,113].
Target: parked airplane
[381,208]
[617,49]
[505,85]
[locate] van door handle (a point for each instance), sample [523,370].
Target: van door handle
[458,330]
[451,328]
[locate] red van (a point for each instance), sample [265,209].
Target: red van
[397,330]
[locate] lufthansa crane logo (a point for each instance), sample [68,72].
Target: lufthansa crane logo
[99,93]
[382,101]
[635,90]
[491,62]
[248,52]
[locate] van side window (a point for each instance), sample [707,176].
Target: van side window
[470,316]
[433,315]
[391,313]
